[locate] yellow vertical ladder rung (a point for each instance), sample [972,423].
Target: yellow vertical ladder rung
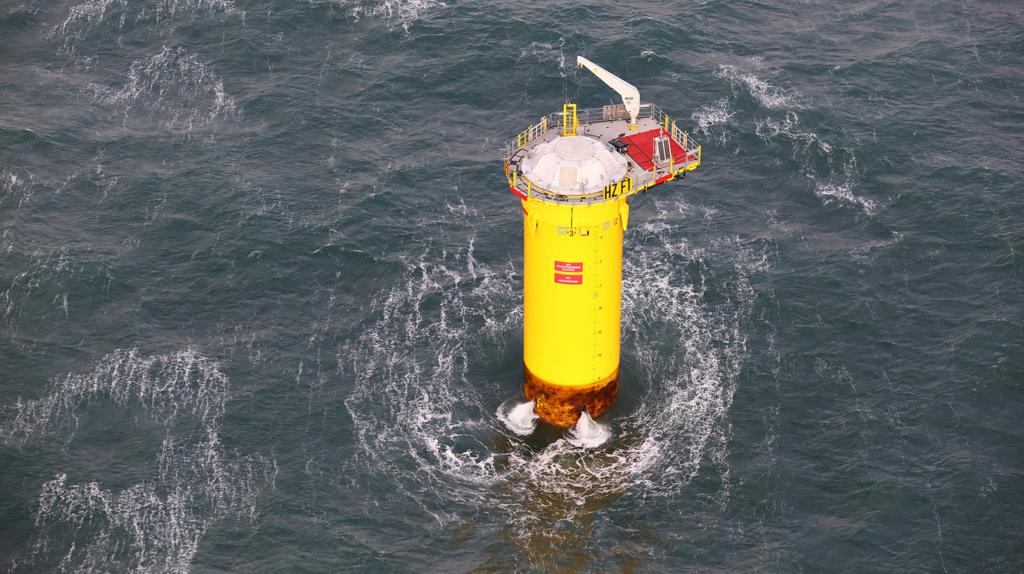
[565,119]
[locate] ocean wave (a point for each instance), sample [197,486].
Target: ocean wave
[14,186]
[162,17]
[174,86]
[831,193]
[769,129]
[713,120]
[162,13]
[767,95]
[401,12]
[155,525]
[833,168]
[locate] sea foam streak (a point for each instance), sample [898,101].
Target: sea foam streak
[155,525]
[832,166]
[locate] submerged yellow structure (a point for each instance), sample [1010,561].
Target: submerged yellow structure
[574,172]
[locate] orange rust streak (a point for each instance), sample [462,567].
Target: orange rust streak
[562,405]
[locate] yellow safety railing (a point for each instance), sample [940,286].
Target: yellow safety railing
[571,117]
[531,133]
[669,126]
[569,121]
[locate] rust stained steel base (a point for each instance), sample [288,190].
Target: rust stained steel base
[562,404]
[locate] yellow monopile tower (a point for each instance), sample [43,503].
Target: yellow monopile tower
[574,172]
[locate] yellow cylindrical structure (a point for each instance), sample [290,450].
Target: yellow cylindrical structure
[574,182]
[572,306]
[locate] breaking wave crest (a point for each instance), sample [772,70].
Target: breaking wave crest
[155,525]
[764,93]
[713,117]
[414,407]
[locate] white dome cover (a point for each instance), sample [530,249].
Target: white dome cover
[573,165]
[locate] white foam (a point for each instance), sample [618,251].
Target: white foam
[421,422]
[684,420]
[411,367]
[91,12]
[588,433]
[709,115]
[832,193]
[519,416]
[714,120]
[766,94]
[403,12]
[185,91]
[157,524]
[161,17]
[162,14]
[172,84]
[817,156]
[768,129]
[11,185]
[545,52]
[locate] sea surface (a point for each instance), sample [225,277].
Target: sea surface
[261,289]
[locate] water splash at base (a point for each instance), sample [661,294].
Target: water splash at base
[518,416]
[420,391]
[588,433]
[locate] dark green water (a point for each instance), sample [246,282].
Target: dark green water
[261,291]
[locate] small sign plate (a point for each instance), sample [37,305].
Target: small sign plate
[568,267]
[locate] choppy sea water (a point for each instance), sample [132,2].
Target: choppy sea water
[261,290]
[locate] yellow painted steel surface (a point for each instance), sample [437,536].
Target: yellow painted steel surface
[572,297]
[573,265]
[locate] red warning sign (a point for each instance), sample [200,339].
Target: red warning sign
[568,279]
[568,267]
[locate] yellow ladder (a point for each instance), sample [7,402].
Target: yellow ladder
[569,120]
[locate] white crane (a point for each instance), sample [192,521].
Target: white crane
[630,95]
